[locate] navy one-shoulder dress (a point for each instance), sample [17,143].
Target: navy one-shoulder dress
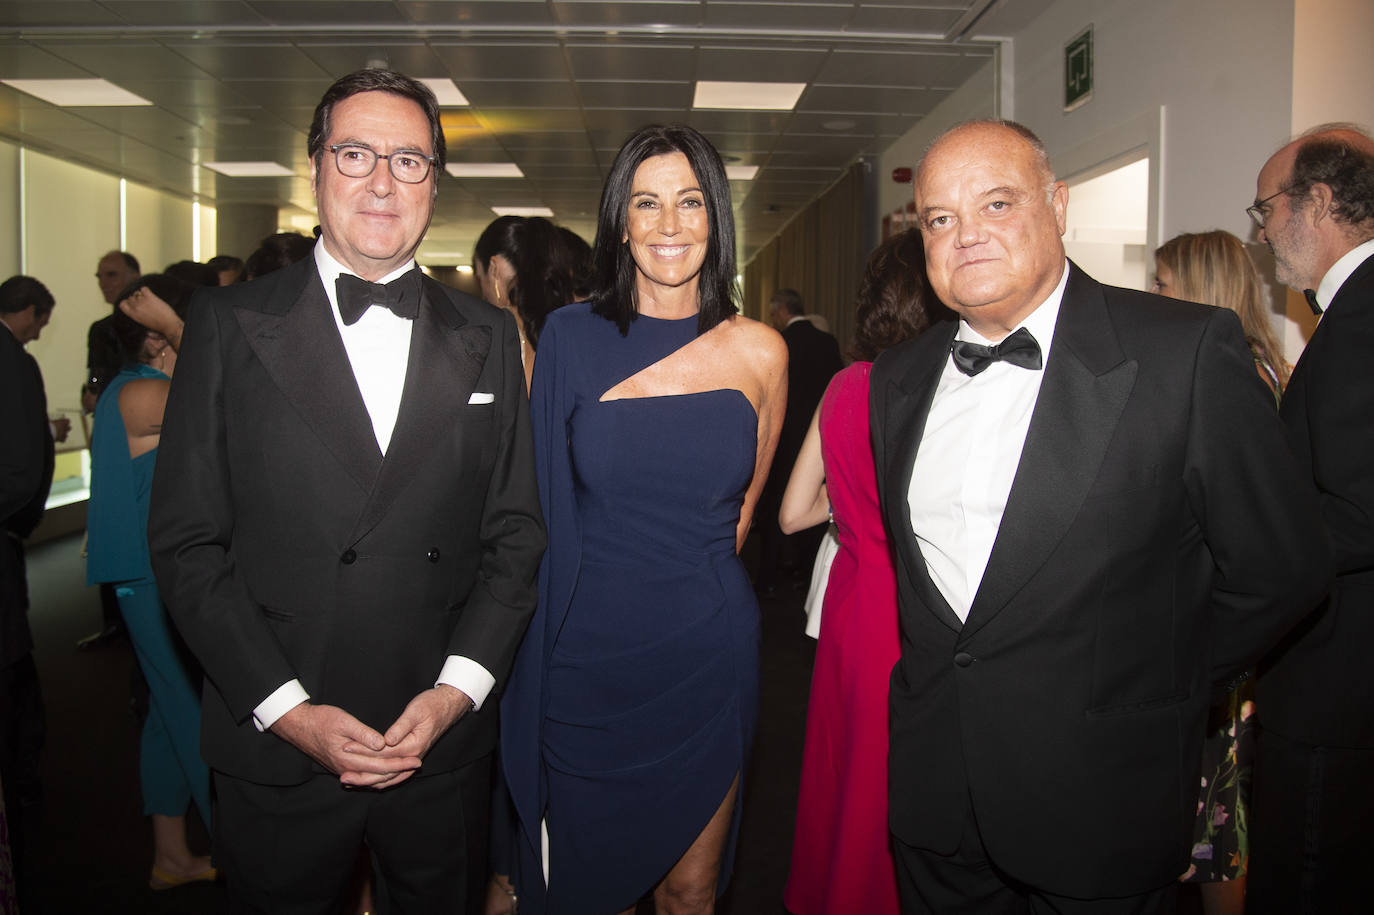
[634,696]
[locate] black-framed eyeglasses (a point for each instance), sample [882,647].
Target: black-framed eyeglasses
[1257,210]
[355,161]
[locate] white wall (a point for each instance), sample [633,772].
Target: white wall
[1108,221]
[71,218]
[975,99]
[9,210]
[1207,81]
[1333,70]
[71,215]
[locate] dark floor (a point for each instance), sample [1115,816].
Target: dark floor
[96,846]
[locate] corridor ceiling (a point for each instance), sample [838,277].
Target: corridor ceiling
[554,86]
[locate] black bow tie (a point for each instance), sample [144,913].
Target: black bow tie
[356,295]
[1019,348]
[1311,296]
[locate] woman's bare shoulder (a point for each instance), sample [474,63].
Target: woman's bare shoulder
[142,397]
[763,344]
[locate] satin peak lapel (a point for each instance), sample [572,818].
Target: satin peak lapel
[446,358]
[298,344]
[1086,386]
[908,399]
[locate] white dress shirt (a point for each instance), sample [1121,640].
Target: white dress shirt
[968,457]
[1340,272]
[378,348]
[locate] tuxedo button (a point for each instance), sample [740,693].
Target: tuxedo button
[963,659]
[348,558]
[432,555]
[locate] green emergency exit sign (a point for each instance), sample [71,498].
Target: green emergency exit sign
[1078,70]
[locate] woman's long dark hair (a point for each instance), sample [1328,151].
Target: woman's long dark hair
[128,332]
[613,268]
[895,302]
[548,268]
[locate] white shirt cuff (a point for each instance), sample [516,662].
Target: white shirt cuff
[467,675]
[284,699]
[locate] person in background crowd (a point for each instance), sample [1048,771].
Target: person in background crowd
[1095,520]
[193,273]
[1215,269]
[128,421]
[228,267]
[841,850]
[114,273]
[526,265]
[26,465]
[813,358]
[277,251]
[1314,798]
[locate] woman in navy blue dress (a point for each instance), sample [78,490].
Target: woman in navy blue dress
[629,716]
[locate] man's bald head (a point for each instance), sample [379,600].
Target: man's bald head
[1317,198]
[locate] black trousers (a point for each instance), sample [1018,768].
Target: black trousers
[969,883]
[22,734]
[291,850]
[1312,828]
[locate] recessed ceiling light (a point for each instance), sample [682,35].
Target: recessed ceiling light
[465,268]
[523,211]
[77,93]
[250,169]
[484,170]
[446,91]
[751,96]
[741,172]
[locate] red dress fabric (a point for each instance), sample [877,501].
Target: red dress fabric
[841,860]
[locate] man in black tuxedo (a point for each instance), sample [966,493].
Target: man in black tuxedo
[1313,791]
[346,530]
[1096,519]
[813,358]
[26,465]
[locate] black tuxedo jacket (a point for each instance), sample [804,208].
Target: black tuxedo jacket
[1318,686]
[26,464]
[1158,537]
[813,358]
[286,546]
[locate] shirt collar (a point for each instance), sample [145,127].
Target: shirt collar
[1340,272]
[1040,322]
[330,270]
[795,318]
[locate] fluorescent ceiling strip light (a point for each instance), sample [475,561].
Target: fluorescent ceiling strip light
[523,211]
[77,93]
[747,96]
[484,170]
[250,169]
[447,92]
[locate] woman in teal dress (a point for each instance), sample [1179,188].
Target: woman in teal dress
[128,420]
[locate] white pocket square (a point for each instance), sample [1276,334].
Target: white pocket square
[479,397]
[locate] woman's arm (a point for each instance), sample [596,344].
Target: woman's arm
[806,503]
[768,354]
[145,307]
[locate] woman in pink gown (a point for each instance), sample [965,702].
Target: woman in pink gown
[841,862]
